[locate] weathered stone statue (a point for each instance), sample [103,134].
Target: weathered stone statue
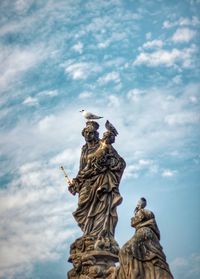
[95,253]
[142,256]
[97,183]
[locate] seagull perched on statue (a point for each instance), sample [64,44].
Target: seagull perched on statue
[89,116]
[111,128]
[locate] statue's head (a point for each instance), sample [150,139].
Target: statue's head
[141,203]
[108,137]
[90,132]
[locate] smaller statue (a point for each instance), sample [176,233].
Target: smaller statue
[142,257]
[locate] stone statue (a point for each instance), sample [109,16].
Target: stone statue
[97,184]
[142,256]
[95,253]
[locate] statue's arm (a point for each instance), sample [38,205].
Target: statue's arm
[138,218]
[118,162]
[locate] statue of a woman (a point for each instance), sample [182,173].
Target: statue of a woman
[142,257]
[97,183]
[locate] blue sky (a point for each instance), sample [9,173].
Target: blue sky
[137,64]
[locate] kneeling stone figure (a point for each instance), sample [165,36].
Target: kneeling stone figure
[142,257]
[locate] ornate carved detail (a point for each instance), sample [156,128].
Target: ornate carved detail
[86,244]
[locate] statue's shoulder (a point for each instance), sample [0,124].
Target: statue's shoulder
[148,213]
[84,147]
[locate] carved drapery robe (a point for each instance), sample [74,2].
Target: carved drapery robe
[142,257]
[97,183]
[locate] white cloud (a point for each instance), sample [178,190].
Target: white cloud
[179,262]
[78,70]
[134,95]
[144,162]
[99,23]
[193,99]
[168,173]
[183,118]
[131,171]
[78,47]
[115,62]
[16,61]
[192,93]
[160,57]
[25,23]
[68,157]
[113,101]
[49,93]
[85,95]
[183,35]
[167,58]
[153,44]
[110,77]
[33,223]
[142,165]
[22,5]
[81,70]
[186,21]
[104,44]
[30,101]
[183,21]
[47,123]
[103,41]
[186,267]
[40,137]
[30,166]
[167,24]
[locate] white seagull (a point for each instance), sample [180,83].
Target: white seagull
[89,116]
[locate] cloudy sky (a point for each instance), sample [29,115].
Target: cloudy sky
[137,64]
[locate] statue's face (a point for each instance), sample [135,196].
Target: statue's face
[141,204]
[89,136]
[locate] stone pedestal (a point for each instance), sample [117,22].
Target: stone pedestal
[93,258]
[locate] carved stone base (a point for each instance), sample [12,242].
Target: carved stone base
[93,258]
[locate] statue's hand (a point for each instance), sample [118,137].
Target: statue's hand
[72,188]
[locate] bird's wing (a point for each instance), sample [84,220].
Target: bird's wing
[111,128]
[91,115]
